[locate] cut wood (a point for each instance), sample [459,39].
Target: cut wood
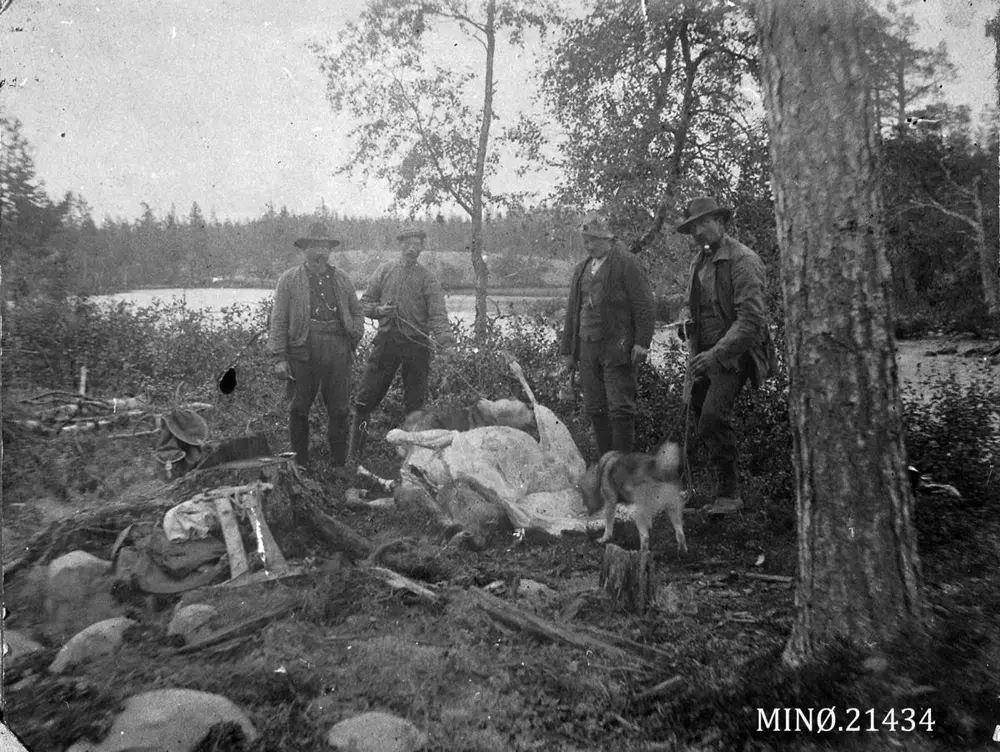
[296,507]
[239,629]
[664,687]
[627,577]
[398,581]
[231,532]
[512,616]
[769,577]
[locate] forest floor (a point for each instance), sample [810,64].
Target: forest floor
[351,643]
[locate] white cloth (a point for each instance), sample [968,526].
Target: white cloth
[190,520]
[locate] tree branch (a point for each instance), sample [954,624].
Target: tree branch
[434,156]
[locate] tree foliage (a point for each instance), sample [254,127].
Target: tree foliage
[422,123]
[653,99]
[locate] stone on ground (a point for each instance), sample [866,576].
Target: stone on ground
[169,720]
[17,644]
[78,592]
[102,638]
[192,622]
[376,732]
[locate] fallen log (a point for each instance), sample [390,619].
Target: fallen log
[627,578]
[513,616]
[239,629]
[398,581]
[769,577]
[664,687]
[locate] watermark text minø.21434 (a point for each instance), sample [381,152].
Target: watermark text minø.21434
[825,720]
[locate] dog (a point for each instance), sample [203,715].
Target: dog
[484,412]
[651,482]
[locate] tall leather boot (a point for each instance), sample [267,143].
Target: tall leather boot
[602,432]
[623,434]
[726,498]
[338,436]
[359,437]
[298,430]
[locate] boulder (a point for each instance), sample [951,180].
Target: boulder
[169,720]
[17,644]
[376,732]
[192,622]
[102,638]
[78,593]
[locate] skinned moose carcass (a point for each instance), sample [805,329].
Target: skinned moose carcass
[534,482]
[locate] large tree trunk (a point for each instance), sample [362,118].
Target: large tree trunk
[478,263]
[859,575]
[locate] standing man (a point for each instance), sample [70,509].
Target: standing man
[316,323]
[729,339]
[606,335]
[406,299]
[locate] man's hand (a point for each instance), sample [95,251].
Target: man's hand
[638,354]
[282,370]
[384,311]
[702,363]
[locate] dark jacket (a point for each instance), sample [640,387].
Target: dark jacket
[290,314]
[740,281]
[627,309]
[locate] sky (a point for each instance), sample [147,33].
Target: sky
[223,103]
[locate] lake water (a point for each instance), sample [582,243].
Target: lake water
[461,307]
[914,367]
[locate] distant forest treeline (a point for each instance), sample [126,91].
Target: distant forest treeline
[78,256]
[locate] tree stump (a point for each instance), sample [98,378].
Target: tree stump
[627,578]
[295,508]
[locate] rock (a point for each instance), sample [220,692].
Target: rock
[534,589]
[169,720]
[17,644]
[376,732]
[875,664]
[102,638]
[9,742]
[78,593]
[192,622]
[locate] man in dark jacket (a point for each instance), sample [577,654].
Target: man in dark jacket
[316,324]
[607,332]
[729,338]
[406,299]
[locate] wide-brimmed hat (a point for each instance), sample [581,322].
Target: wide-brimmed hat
[596,224]
[318,237]
[187,426]
[411,232]
[702,207]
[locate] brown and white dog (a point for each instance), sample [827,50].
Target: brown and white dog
[484,412]
[650,482]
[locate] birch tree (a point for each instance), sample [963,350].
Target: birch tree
[417,129]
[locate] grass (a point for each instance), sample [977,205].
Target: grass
[352,645]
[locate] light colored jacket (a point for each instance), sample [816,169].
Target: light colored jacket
[419,301]
[289,330]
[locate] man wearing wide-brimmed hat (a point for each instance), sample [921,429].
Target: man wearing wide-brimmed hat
[607,332]
[316,324]
[408,302]
[729,338]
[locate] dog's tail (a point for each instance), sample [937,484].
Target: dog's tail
[667,461]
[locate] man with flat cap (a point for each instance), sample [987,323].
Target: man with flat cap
[316,324]
[729,338]
[607,332]
[406,299]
